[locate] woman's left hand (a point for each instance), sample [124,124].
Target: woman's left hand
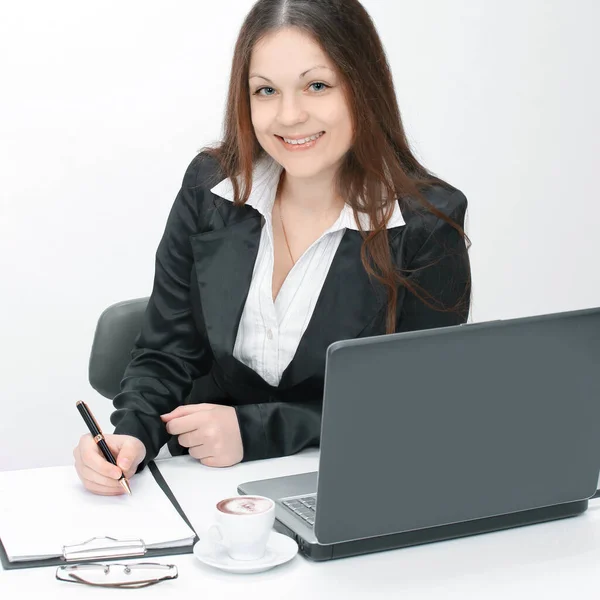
[210,431]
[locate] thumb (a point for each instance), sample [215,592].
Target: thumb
[130,456]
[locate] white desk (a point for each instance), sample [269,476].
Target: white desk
[551,561]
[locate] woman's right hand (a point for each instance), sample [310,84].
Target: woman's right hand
[100,476]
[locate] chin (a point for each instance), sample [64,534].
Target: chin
[304,168]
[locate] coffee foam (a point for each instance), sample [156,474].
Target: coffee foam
[244,506]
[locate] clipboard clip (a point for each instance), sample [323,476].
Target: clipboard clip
[100,548]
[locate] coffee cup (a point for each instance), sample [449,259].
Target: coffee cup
[243,525]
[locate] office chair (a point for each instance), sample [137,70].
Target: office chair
[114,338]
[115,335]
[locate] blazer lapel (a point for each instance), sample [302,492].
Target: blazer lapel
[348,302]
[224,261]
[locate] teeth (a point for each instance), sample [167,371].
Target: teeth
[304,141]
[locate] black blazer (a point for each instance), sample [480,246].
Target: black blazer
[204,266]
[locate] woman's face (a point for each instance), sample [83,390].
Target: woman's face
[295,91]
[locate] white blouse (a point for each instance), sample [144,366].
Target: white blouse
[270,331]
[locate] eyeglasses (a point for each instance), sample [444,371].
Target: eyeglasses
[117,575]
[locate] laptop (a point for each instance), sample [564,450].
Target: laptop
[443,433]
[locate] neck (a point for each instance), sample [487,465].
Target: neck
[309,196]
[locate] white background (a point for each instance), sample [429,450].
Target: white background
[104,103]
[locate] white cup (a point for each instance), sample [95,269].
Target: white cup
[243,525]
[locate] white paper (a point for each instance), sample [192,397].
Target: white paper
[42,510]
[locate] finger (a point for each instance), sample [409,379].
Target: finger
[185,410]
[180,411]
[188,440]
[92,457]
[211,461]
[200,452]
[102,490]
[184,424]
[76,454]
[89,475]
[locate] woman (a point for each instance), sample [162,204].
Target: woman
[311,222]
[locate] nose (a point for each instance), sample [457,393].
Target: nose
[291,111]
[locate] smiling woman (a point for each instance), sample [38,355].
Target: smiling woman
[310,222]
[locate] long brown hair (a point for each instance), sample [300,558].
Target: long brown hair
[379,167]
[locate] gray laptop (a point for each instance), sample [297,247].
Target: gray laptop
[443,433]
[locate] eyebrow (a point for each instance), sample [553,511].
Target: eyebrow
[300,77]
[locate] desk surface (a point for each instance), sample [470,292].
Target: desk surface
[551,560]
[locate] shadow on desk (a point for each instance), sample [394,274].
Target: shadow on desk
[575,539]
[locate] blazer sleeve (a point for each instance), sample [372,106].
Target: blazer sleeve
[274,429]
[168,353]
[440,265]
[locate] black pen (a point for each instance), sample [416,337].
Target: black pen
[98,436]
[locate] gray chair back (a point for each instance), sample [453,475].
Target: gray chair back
[116,332]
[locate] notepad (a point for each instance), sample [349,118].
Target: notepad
[43,510]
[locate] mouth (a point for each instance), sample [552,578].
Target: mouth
[309,142]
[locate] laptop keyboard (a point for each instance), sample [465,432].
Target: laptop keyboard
[305,507]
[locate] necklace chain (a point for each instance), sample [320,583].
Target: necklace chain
[284,233]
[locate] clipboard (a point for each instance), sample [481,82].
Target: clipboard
[107,549]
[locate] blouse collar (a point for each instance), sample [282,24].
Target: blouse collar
[265,178]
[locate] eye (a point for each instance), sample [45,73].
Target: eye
[320,83]
[257,92]
[325,86]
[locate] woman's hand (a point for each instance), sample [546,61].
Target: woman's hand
[100,476]
[210,431]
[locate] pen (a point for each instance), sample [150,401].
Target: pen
[98,436]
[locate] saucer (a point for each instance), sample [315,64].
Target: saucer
[280,549]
